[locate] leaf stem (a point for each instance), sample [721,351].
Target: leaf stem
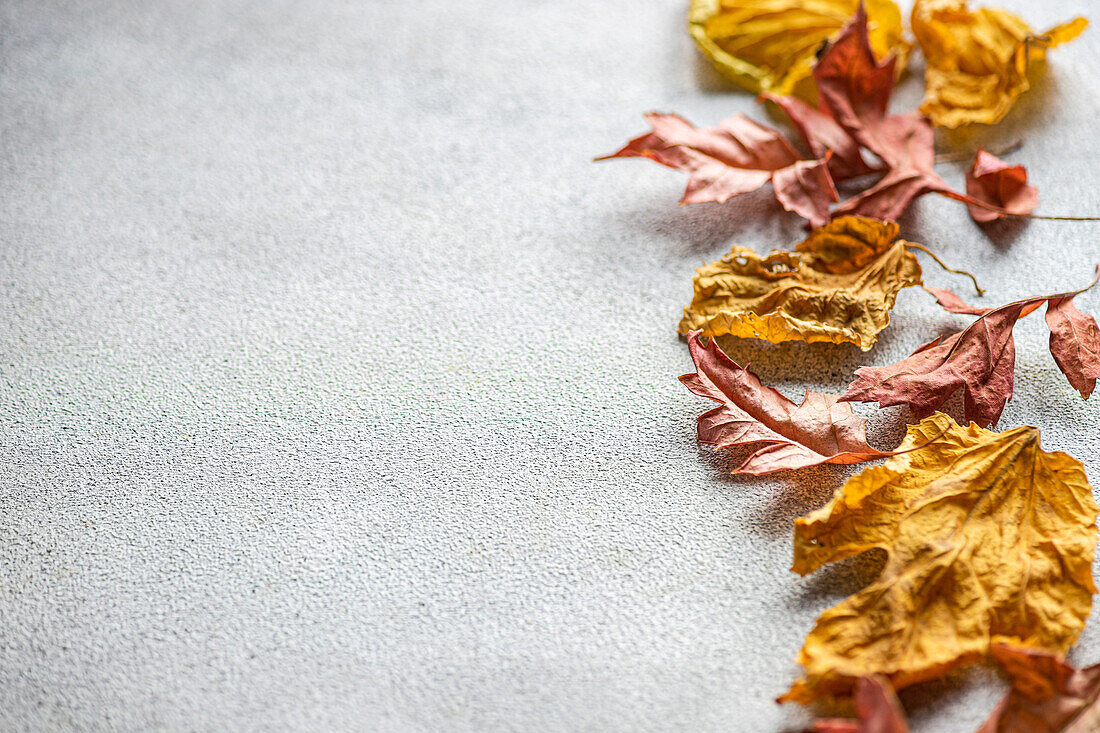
[971,201]
[957,157]
[940,262]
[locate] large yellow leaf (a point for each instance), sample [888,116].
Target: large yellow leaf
[838,287]
[987,537]
[770,45]
[977,60]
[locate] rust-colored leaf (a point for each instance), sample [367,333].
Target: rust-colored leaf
[987,537]
[980,360]
[784,435]
[837,287]
[1047,696]
[735,157]
[877,708]
[770,45]
[854,90]
[977,60]
[994,182]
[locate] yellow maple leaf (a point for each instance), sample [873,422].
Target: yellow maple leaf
[977,60]
[987,537]
[838,287]
[771,45]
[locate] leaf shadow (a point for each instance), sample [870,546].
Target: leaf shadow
[709,229]
[710,80]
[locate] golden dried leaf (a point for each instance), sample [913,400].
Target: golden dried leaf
[771,45]
[838,287]
[987,537]
[977,60]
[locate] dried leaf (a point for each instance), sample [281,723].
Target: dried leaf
[988,538]
[998,184]
[981,359]
[877,707]
[853,94]
[786,435]
[1074,343]
[977,60]
[1047,696]
[737,156]
[770,45]
[838,287]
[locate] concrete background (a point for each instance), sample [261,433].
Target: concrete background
[338,386]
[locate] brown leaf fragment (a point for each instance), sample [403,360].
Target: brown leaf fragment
[785,435]
[994,182]
[1047,695]
[735,157]
[988,538]
[877,708]
[838,287]
[951,302]
[1074,343]
[981,359]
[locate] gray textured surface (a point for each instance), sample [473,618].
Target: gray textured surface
[337,386]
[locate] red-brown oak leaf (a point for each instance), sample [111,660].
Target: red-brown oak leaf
[736,156]
[877,711]
[854,92]
[992,181]
[1047,695]
[784,435]
[981,359]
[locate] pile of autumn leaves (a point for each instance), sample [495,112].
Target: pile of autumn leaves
[990,539]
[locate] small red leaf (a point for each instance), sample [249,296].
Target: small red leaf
[877,708]
[1047,695]
[994,182]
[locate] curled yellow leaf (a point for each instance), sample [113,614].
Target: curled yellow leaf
[771,45]
[838,287]
[977,60]
[987,537]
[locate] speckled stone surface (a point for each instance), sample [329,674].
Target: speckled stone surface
[338,386]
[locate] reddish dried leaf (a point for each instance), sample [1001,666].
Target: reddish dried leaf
[980,360]
[877,708]
[949,301]
[854,91]
[1074,343]
[823,135]
[1047,696]
[1001,185]
[735,157]
[786,435]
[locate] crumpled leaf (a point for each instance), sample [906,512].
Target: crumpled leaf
[977,60]
[987,537]
[853,94]
[785,435]
[877,707]
[770,45]
[1047,696]
[981,359]
[998,184]
[838,287]
[735,157]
